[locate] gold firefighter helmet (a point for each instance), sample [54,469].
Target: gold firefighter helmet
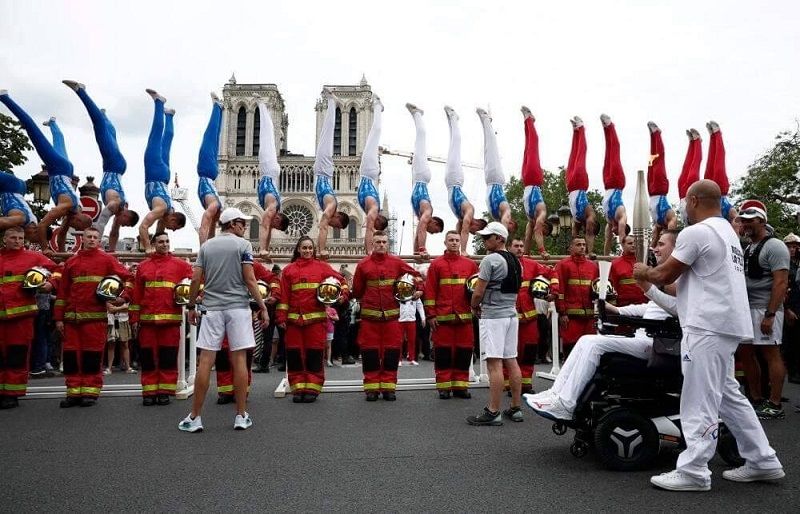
[181,292]
[329,291]
[469,285]
[540,287]
[404,288]
[611,293]
[35,278]
[109,288]
[263,288]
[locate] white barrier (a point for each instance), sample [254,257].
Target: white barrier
[553,373]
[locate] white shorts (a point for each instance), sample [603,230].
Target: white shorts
[237,324]
[762,339]
[498,337]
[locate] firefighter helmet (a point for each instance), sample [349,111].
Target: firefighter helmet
[469,285]
[263,288]
[540,287]
[35,277]
[181,292]
[329,291]
[109,288]
[611,293]
[404,288]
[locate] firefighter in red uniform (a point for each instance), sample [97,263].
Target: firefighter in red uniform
[222,362]
[304,318]
[575,310]
[528,334]
[158,319]
[450,318]
[17,312]
[621,276]
[379,335]
[81,318]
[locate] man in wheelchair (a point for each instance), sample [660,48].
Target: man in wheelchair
[655,317]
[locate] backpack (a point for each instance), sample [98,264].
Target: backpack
[513,279]
[752,269]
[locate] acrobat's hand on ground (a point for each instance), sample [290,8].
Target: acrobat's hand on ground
[265,257]
[324,255]
[544,255]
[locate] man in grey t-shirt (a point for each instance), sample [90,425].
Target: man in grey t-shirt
[766,270]
[225,265]
[494,302]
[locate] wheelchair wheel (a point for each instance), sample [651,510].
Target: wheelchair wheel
[625,440]
[559,428]
[579,449]
[726,447]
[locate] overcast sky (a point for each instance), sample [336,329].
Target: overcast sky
[678,63]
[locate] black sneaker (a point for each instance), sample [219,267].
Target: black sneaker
[149,401]
[88,402]
[162,399]
[309,398]
[444,395]
[462,393]
[514,414]
[389,396]
[768,410]
[372,397]
[8,402]
[486,418]
[348,360]
[298,398]
[70,401]
[223,399]
[39,373]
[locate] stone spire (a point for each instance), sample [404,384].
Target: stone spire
[363,80]
[232,80]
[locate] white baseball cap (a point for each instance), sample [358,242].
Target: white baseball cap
[791,238]
[231,214]
[495,228]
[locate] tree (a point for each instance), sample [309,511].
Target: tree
[773,179]
[554,191]
[13,143]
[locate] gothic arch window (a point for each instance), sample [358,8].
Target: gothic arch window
[351,132]
[337,233]
[254,229]
[241,130]
[351,229]
[256,131]
[337,133]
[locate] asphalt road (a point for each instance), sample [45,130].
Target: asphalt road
[338,454]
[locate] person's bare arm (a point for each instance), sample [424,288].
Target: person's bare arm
[61,238]
[53,215]
[113,236]
[477,296]
[369,230]
[14,219]
[665,273]
[421,237]
[156,215]
[327,214]
[265,230]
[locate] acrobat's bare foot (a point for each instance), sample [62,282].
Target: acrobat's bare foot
[155,96]
[413,109]
[695,133]
[482,114]
[653,127]
[73,84]
[48,122]
[169,112]
[605,119]
[216,99]
[450,112]
[712,127]
[526,113]
[577,122]
[376,103]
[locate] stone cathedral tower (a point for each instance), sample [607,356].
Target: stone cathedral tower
[238,160]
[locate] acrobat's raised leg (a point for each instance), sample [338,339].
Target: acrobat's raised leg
[207,171]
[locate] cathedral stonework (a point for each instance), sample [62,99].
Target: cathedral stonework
[238,163]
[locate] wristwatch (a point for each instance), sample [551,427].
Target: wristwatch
[769,314]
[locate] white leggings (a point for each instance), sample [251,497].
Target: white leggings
[492,169]
[267,155]
[454,172]
[323,161]
[420,170]
[369,157]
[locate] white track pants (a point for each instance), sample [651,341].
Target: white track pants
[454,172]
[267,155]
[420,170]
[369,157]
[323,161]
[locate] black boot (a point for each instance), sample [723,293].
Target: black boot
[444,395]
[309,398]
[149,401]
[163,399]
[298,398]
[462,393]
[70,401]
[389,396]
[88,402]
[223,399]
[372,397]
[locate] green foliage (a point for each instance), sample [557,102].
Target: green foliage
[13,143]
[554,191]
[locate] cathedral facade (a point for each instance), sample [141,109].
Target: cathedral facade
[238,163]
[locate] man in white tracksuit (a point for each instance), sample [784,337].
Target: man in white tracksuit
[715,316]
[559,402]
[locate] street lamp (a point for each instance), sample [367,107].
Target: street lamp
[39,185]
[565,226]
[554,223]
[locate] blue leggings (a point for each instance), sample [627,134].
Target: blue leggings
[56,163]
[207,160]
[11,184]
[155,168]
[105,135]
[58,139]
[166,141]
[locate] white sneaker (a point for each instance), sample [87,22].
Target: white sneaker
[748,474]
[330,364]
[400,364]
[547,394]
[678,481]
[107,371]
[191,425]
[414,363]
[242,422]
[550,408]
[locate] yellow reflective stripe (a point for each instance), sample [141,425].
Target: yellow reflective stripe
[345,286]
[313,386]
[90,390]
[56,275]
[168,387]
[379,283]
[16,387]
[388,385]
[304,285]
[61,303]
[20,309]
[627,281]
[460,384]
[525,283]
[579,282]
[443,385]
[128,285]
[579,312]
[225,389]
[553,280]
[149,387]
[87,278]
[560,296]
[308,315]
[161,317]
[73,390]
[527,381]
[370,387]
[12,278]
[452,281]
[282,307]
[429,303]
[159,283]
[452,317]
[86,315]
[135,307]
[527,314]
[376,313]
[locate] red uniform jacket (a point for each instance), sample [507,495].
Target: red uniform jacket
[373,285]
[262,273]
[16,302]
[153,291]
[531,268]
[445,289]
[575,275]
[298,302]
[621,277]
[76,301]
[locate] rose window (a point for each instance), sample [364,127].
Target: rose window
[300,220]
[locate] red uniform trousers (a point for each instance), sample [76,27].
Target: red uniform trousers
[452,355]
[381,344]
[305,347]
[158,358]
[83,357]
[527,349]
[16,335]
[408,331]
[224,369]
[576,327]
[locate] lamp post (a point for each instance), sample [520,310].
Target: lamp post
[39,185]
[565,227]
